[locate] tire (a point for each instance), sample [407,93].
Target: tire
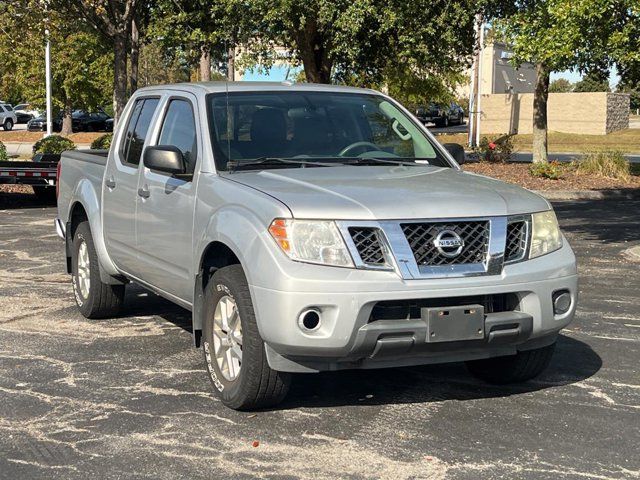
[95,299]
[45,194]
[514,368]
[246,382]
[8,125]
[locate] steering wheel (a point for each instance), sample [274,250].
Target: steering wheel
[371,147]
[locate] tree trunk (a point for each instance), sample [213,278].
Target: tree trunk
[540,98]
[231,64]
[67,120]
[135,57]
[314,53]
[120,75]
[205,63]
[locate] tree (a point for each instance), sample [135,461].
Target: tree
[560,85]
[112,19]
[593,82]
[337,40]
[564,34]
[80,66]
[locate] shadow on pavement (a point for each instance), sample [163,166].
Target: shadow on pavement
[573,362]
[608,220]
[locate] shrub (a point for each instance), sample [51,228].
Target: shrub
[551,170]
[610,163]
[498,150]
[53,144]
[103,142]
[3,153]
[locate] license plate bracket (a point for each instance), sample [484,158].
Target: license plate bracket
[451,324]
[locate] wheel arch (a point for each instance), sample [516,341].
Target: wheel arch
[216,255]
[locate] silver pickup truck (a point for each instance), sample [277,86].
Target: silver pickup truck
[312,228]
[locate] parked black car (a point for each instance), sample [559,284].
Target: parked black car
[441,115]
[90,121]
[39,124]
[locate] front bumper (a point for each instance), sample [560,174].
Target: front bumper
[347,338]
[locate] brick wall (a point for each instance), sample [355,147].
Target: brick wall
[596,113]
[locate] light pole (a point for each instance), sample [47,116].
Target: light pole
[47,68]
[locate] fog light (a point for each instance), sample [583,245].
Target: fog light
[561,302]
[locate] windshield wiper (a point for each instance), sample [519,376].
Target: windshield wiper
[234,165]
[377,161]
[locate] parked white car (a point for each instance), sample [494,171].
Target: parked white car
[7,116]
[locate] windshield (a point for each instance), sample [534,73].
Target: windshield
[313,129]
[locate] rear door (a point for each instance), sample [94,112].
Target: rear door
[166,204]
[120,197]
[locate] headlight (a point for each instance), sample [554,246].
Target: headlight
[545,235]
[313,241]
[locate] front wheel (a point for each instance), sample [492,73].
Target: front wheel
[95,299]
[516,368]
[233,349]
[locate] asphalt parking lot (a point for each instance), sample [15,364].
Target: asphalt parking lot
[129,397]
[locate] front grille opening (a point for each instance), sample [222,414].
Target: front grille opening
[410,309]
[516,245]
[368,244]
[422,238]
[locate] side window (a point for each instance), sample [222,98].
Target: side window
[137,128]
[179,130]
[1,109]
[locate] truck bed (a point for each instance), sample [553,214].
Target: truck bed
[80,166]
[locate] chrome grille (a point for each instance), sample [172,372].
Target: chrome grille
[368,244]
[516,244]
[421,237]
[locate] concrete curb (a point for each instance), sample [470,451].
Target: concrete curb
[555,195]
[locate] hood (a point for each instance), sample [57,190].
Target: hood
[390,192]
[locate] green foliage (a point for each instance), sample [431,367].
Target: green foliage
[81,69]
[103,142]
[498,150]
[566,34]
[592,83]
[610,163]
[551,170]
[560,85]
[3,153]
[53,144]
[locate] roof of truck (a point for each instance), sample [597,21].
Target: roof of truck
[216,87]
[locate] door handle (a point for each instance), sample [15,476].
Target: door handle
[144,193]
[110,182]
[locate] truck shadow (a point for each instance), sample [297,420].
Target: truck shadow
[572,362]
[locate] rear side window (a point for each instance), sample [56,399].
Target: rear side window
[179,130]
[137,129]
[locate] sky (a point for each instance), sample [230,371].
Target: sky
[279,74]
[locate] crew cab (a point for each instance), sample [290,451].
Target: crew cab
[310,228]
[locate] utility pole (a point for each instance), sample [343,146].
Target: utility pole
[474,93]
[47,68]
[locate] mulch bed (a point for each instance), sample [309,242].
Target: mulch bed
[32,137]
[518,173]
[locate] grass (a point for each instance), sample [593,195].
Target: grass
[626,141]
[611,164]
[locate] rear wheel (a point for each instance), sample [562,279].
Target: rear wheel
[95,299]
[516,368]
[233,349]
[8,124]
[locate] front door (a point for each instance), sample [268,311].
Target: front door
[164,219]
[120,186]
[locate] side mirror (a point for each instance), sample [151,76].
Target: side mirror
[456,151]
[165,158]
